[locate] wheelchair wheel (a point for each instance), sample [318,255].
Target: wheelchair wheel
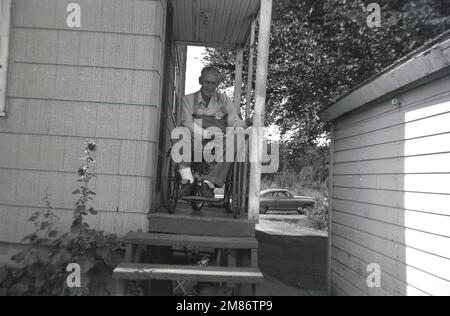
[171,185]
[228,196]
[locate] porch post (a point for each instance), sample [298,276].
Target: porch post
[265,16]
[5,26]
[250,68]
[238,78]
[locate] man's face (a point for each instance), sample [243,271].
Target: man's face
[210,82]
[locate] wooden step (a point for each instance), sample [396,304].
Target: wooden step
[197,199]
[241,275]
[201,225]
[194,241]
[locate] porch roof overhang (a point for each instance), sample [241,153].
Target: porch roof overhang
[214,23]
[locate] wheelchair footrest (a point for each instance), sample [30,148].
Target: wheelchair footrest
[201,199]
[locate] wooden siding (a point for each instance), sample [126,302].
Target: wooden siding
[391,195]
[100,82]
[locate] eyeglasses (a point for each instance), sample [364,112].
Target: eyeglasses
[210,83]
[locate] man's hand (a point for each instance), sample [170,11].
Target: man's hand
[218,135]
[212,133]
[206,134]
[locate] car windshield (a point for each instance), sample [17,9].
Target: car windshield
[279,194]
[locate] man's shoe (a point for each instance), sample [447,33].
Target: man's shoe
[186,189]
[207,192]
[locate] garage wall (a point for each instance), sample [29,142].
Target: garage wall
[391,195]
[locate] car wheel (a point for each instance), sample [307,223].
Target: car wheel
[308,208]
[263,210]
[301,211]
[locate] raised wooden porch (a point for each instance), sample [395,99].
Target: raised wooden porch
[230,238]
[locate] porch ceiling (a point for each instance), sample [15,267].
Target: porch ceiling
[213,22]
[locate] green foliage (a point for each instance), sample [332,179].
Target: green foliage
[312,163]
[318,216]
[320,49]
[304,183]
[42,265]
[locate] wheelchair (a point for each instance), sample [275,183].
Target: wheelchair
[235,197]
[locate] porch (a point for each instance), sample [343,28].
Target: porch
[231,237]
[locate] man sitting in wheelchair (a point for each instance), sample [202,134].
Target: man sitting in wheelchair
[200,112]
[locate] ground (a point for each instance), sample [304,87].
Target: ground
[293,258]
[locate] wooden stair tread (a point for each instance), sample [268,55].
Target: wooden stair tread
[196,241]
[201,199]
[211,219]
[201,225]
[136,271]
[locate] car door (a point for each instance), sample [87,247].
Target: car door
[275,201]
[284,201]
[267,200]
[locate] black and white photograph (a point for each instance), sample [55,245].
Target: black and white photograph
[241,149]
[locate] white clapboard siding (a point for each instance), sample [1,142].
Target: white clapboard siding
[341,283]
[391,196]
[84,84]
[431,243]
[431,163]
[100,82]
[355,279]
[426,222]
[431,125]
[112,16]
[396,275]
[66,47]
[427,183]
[410,147]
[128,194]
[335,290]
[14,230]
[409,124]
[356,270]
[422,202]
[63,153]
[374,245]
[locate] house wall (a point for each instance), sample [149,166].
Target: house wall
[391,195]
[100,82]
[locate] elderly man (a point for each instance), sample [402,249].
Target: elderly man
[213,109]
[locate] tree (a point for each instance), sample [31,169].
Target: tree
[320,49]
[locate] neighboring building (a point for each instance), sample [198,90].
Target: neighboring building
[390,187]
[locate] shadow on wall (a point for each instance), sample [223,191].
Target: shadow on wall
[391,197]
[368,203]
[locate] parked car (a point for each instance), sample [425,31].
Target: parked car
[280,199]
